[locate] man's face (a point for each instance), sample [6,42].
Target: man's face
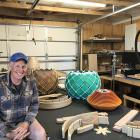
[18,69]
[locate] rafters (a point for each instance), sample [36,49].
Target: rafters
[51,9]
[56,11]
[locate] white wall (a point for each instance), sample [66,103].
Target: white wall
[54,47]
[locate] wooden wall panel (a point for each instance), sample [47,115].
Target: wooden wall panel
[97,29]
[106,29]
[90,30]
[87,31]
[103,28]
[118,30]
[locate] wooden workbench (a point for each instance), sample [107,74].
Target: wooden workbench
[129,81]
[48,119]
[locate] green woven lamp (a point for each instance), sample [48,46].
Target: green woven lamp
[79,84]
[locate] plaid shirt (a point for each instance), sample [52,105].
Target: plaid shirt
[17,104]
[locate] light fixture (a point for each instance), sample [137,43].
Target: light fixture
[78,3]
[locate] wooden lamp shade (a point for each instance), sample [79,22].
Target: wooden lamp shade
[104,99]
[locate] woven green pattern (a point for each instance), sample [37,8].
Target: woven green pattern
[81,84]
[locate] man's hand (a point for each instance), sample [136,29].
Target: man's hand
[20,132]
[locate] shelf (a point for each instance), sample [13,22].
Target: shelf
[100,54]
[108,53]
[108,40]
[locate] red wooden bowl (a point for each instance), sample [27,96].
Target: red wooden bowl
[104,99]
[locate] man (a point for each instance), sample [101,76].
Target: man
[19,103]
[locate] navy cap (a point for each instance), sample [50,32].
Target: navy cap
[19,56]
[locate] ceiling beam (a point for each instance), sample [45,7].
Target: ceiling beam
[51,9]
[69,10]
[114,2]
[40,17]
[113,13]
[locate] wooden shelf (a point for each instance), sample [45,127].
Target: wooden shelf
[103,41]
[108,40]
[103,56]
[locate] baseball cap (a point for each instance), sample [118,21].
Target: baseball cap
[19,56]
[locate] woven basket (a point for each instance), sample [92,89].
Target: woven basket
[81,84]
[47,81]
[104,99]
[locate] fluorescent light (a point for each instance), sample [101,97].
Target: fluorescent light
[80,3]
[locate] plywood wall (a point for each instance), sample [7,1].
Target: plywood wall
[89,30]
[118,30]
[106,29]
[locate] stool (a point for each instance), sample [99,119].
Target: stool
[134,100]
